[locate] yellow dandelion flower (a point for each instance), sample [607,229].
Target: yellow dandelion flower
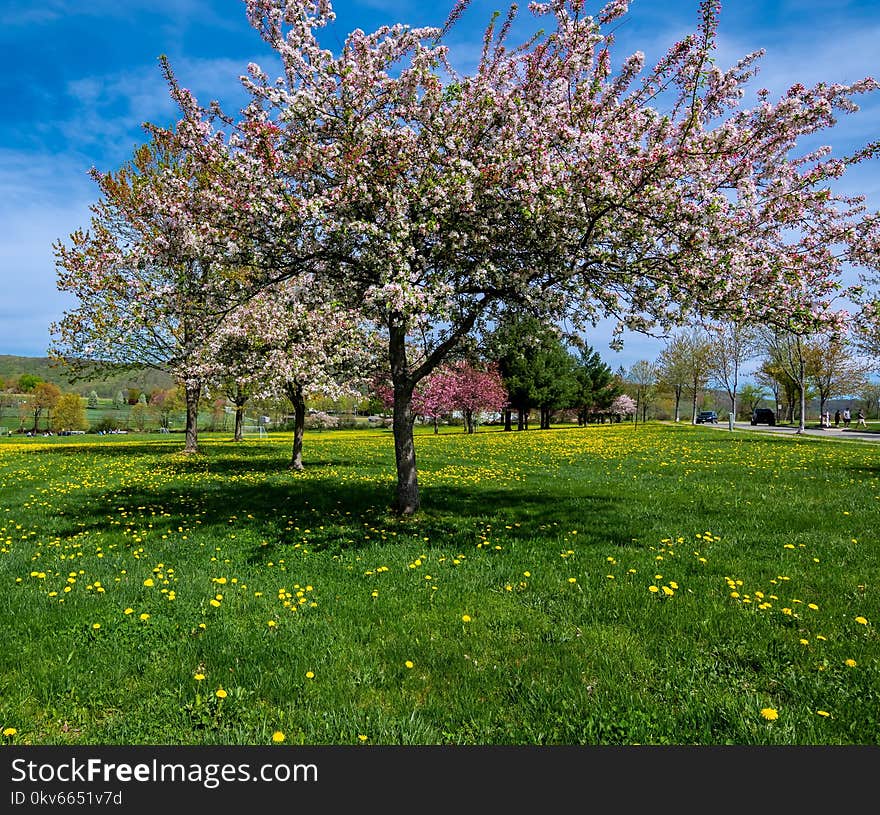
[220,693]
[805,642]
[9,731]
[813,606]
[145,616]
[770,713]
[128,611]
[149,582]
[96,626]
[198,677]
[465,618]
[271,623]
[653,589]
[409,663]
[824,713]
[861,621]
[310,674]
[572,580]
[278,737]
[850,663]
[362,737]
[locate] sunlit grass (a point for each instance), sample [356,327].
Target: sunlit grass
[600,585]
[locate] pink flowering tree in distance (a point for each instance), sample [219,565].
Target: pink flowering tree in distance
[547,178]
[623,406]
[455,387]
[474,391]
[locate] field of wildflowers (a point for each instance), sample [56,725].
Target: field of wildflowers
[600,585]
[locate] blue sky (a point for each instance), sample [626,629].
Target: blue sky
[80,78]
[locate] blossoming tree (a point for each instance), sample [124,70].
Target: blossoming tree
[291,341]
[455,387]
[151,276]
[543,178]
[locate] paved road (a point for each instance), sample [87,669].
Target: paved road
[828,433]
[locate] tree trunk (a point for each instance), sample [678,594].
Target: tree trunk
[407,497]
[677,391]
[507,419]
[239,421]
[469,421]
[192,390]
[803,396]
[436,425]
[295,394]
[694,406]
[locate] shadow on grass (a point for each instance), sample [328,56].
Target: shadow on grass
[350,515]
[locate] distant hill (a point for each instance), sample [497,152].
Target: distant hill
[105,385]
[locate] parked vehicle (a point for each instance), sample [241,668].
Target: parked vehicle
[707,417]
[764,416]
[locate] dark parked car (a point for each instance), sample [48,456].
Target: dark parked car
[764,416]
[707,417]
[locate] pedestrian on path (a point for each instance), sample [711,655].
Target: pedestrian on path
[860,416]
[837,417]
[847,418]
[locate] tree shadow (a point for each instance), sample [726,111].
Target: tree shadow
[338,515]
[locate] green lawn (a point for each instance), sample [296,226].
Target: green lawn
[602,585]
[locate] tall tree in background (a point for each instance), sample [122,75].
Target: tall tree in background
[535,365]
[686,364]
[832,369]
[673,369]
[751,396]
[44,397]
[733,344]
[70,413]
[596,385]
[642,378]
[788,351]
[771,374]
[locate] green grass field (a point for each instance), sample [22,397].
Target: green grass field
[593,586]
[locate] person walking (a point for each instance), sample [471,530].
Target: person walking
[847,417]
[837,417]
[860,419]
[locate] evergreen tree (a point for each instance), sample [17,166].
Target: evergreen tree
[597,386]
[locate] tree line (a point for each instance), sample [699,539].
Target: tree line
[747,366]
